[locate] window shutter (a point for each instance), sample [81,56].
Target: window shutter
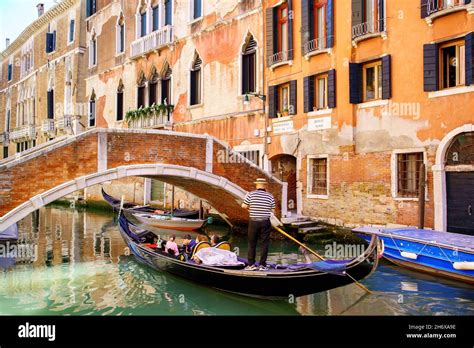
[430,67]
[71,30]
[332,89]
[386,77]
[10,72]
[290,31]
[193,88]
[269,30]
[293,101]
[307,21]
[469,44]
[272,101]
[424,8]
[54,41]
[381,9]
[355,83]
[88,8]
[245,73]
[330,24]
[51,104]
[356,12]
[308,90]
[49,42]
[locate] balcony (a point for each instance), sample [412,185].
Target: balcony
[151,42]
[154,121]
[48,127]
[314,47]
[23,133]
[280,58]
[368,30]
[439,8]
[65,123]
[4,137]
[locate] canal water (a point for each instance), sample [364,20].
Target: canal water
[76,265]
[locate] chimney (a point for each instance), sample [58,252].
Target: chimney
[7,42]
[40,8]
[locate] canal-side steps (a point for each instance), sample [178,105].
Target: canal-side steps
[307,228]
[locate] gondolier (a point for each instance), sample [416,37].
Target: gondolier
[261,205]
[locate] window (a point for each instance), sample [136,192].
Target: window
[284,98]
[152,90]
[93,51]
[453,64]
[408,173]
[92,110]
[7,121]
[156,18]
[372,81]
[51,104]
[120,102]
[51,41]
[121,37]
[196,82]
[143,24]
[318,180]
[91,7]
[10,71]
[197,8]
[249,67]
[166,87]
[141,92]
[252,156]
[321,92]
[168,12]
[368,16]
[71,30]
[283,28]
[5,151]
[320,23]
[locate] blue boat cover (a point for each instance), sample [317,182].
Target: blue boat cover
[337,267]
[446,239]
[11,233]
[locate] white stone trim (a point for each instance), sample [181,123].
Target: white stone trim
[439,177]
[394,172]
[451,91]
[372,104]
[309,173]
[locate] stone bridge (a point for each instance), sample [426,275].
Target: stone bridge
[199,164]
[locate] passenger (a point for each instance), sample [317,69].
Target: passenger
[171,246]
[188,244]
[215,240]
[201,238]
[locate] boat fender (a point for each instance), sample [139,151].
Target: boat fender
[464,265]
[126,251]
[408,255]
[381,248]
[210,220]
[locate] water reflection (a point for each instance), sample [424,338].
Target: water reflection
[80,269]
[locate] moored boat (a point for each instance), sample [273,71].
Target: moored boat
[445,254]
[146,209]
[170,222]
[276,282]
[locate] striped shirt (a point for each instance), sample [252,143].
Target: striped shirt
[260,204]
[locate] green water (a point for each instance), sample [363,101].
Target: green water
[79,268]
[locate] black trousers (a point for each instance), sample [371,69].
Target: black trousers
[258,229]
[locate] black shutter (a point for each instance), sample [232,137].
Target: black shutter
[272,101]
[307,21]
[357,8]
[51,104]
[430,67]
[193,88]
[270,33]
[332,89]
[71,30]
[119,106]
[386,77]
[49,42]
[424,8]
[381,9]
[245,73]
[355,83]
[290,31]
[293,100]
[329,23]
[469,45]
[308,90]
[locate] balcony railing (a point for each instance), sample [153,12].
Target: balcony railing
[64,123]
[4,137]
[434,6]
[48,126]
[317,44]
[368,28]
[152,41]
[154,121]
[23,133]
[280,57]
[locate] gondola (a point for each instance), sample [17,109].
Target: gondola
[135,208]
[170,222]
[276,282]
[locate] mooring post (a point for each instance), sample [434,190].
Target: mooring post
[421,197]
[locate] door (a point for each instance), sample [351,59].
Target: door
[460,202]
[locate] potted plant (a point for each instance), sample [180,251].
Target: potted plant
[285,112]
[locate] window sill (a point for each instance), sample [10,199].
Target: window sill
[451,91]
[382,34]
[70,43]
[286,62]
[409,199]
[196,106]
[311,196]
[372,104]
[119,54]
[469,8]
[195,20]
[281,119]
[318,52]
[320,112]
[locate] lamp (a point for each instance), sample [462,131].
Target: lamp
[246,99]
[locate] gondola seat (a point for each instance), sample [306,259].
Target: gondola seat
[200,246]
[224,246]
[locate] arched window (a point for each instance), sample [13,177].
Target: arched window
[120,108]
[92,110]
[50,97]
[141,19]
[141,87]
[461,150]
[249,66]
[196,81]
[120,32]
[166,85]
[153,87]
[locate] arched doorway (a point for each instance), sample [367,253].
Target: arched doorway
[284,168]
[459,166]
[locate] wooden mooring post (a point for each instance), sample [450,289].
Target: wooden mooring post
[421,197]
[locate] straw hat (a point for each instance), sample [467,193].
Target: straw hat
[261,181]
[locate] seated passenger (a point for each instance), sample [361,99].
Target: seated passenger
[188,244]
[215,240]
[171,247]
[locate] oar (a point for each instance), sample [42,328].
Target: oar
[314,252]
